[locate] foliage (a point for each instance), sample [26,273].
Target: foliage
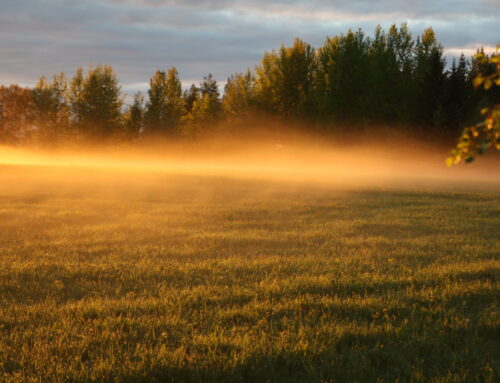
[458,95]
[343,65]
[296,70]
[239,96]
[266,76]
[96,101]
[206,108]
[190,95]
[50,107]
[430,81]
[477,138]
[174,106]
[15,113]
[352,80]
[382,97]
[165,106]
[134,118]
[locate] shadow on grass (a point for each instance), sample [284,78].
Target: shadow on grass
[444,355]
[40,283]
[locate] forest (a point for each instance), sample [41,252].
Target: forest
[293,223]
[353,80]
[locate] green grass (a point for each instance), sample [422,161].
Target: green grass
[154,278]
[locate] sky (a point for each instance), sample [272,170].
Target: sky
[198,37]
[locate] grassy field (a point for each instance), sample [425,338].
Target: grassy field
[122,277]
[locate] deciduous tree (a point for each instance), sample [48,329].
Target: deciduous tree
[166,103]
[50,108]
[96,101]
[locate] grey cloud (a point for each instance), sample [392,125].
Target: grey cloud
[139,36]
[422,8]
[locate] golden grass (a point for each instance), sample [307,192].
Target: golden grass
[136,277]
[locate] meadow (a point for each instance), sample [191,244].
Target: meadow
[121,276]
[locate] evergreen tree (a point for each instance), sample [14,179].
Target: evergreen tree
[206,107]
[458,94]
[134,118]
[430,82]
[190,96]
[383,78]
[155,114]
[401,42]
[210,87]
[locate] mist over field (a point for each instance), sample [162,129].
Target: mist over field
[248,260]
[299,158]
[329,213]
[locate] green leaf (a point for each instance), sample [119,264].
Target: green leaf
[469,159]
[484,145]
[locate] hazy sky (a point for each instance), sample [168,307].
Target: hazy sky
[200,36]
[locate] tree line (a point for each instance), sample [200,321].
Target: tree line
[388,78]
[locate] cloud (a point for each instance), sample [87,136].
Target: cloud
[355,9]
[200,36]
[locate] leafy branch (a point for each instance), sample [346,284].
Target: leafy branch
[477,138]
